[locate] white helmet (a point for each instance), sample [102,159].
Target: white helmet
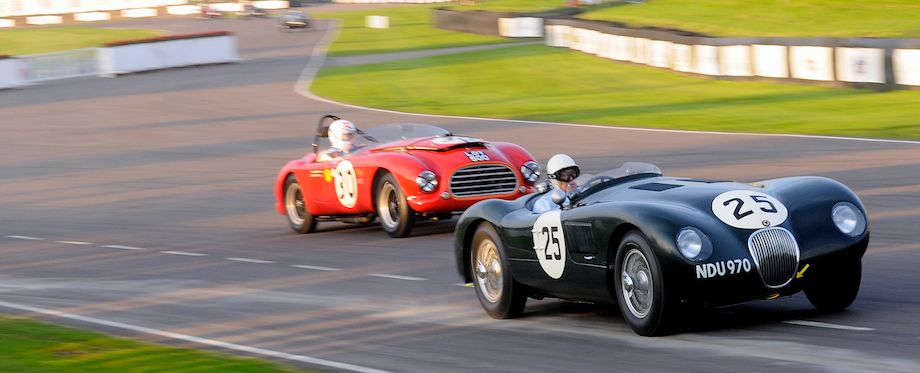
[342,134]
[562,168]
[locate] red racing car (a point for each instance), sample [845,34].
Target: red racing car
[400,173]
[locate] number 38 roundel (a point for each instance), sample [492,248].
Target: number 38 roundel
[549,243]
[749,209]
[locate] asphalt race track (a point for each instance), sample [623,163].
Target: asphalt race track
[142,206]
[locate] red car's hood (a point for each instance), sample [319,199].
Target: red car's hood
[434,143]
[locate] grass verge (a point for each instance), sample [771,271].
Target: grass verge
[411,28]
[510,5]
[54,39]
[30,346]
[543,83]
[822,18]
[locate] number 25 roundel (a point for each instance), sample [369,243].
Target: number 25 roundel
[549,243]
[749,209]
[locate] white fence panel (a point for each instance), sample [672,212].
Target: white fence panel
[59,65]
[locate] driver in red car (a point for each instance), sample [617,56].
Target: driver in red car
[561,171]
[341,136]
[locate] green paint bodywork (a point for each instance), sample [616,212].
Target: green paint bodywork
[611,211]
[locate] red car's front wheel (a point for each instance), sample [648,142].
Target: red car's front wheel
[396,217]
[295,208]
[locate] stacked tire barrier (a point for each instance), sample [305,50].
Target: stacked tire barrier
[881,64]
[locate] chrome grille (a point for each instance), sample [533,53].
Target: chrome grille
[776,255]
[483,180]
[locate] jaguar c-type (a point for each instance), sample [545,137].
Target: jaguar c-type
[655,245]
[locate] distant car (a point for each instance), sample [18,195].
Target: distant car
[403,173]
[294,19]
[654,244]
[210,11]
[250,10]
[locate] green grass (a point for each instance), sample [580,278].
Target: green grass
[510,5]
[543,83]
[411,28]
[43,40]
[29,346]
[841,18]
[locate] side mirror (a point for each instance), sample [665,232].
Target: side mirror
[543,187]
[558,196]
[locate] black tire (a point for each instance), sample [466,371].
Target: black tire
[499,294]
[833,287]
[299,218]
[648,313]
[393,211]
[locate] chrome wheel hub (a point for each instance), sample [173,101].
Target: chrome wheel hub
[637,284]
[388,206]
[489,271]
[294,205]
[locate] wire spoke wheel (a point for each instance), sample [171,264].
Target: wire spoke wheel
[489,271]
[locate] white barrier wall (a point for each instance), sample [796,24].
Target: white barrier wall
[44,20]
[139,13]
[682,57]
[183,10]
[771,61]
[812,63]
[907,66]
[521,27]
[7,23]
[861,65]
[706,59]
[92,17]
[659,53]
[735,60]
[11,8]
[377,22]
[267,4]
[166,54]
[10,73]
[390,1]
[841,64]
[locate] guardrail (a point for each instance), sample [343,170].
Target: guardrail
[881,64]
[120,58]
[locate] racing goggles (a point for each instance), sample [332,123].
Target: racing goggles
[567,174]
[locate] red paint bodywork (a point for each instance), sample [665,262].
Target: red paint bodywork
[404,160]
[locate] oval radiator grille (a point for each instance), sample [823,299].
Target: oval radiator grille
[776,255]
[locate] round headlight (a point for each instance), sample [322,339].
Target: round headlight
[427,181]
[530,171]
[693,244]
[848,219]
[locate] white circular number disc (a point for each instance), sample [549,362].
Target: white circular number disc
[549,243]
[749,209]
[346,184]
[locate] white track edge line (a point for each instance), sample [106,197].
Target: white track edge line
[30,238]
[194,339]
[318,268]
[185,253]
[318,57]
[248,260]
[81,243]
[819,324]
[397,277]
[121,247]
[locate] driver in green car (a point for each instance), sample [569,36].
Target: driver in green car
[561,171]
